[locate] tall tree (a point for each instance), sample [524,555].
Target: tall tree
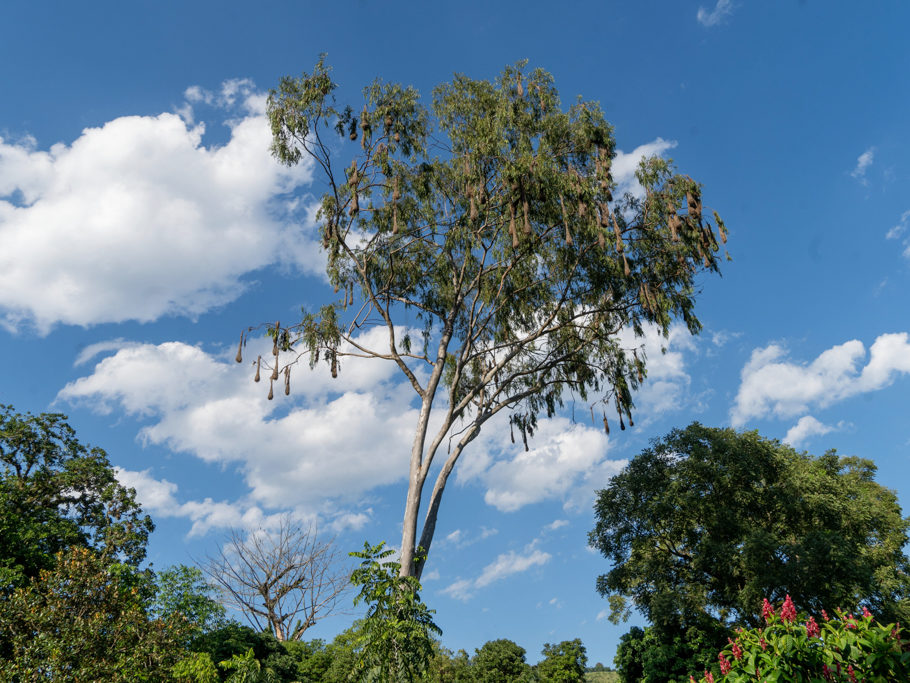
[283,581]
[491,217]
[57,494]
[707,522]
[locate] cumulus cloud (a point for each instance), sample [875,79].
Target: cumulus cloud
[138,218]
[560,453]
[863,162]
[712,17]
[667,385]
[330,440]
[159,497]
[505,565]
[805,429]
[772,385]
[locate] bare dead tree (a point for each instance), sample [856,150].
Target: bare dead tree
[283,580]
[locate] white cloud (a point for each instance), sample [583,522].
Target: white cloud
[560,454]
[462,539]
[510,563]
[330,440]
[806,428]
[722,9]
[503,566]
[772,385]
[863,162]
[102,347]
[899,231]
[138,218]
[556,524]
[625,165]
[666,386]
[159,497]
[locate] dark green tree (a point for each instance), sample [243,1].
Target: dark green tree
[563,662]
[57,494]
[234,640]
[500,661]
[669,654]
[489,216]
[707,522]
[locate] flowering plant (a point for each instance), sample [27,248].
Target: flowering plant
[791,647]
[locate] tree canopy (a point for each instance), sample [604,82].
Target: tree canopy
[563,662]
[706,523]
[490,217]
[500,660]
[56,494]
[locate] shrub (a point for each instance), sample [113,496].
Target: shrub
[792,647]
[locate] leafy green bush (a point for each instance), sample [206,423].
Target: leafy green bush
[793,647]
[395,641]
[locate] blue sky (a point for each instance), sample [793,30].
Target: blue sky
[143,225]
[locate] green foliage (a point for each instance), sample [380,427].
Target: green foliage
[57,494]
[182,590]
[668,654]
[197,667]
[791,647]
[564,662]
[706,522]
[500,661]
[312,658]
[87,620]
[605,676]
[246,668]
[233,639]
[448,667]
[395,638]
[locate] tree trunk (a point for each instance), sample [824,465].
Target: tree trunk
[415,489]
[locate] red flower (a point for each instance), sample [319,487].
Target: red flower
[825,615]
[850,621]
[788,611]
[767,611]
[866,612]
[724,664]
[812,629]
[737,650]
[709,677]
[850,673]
[762,642]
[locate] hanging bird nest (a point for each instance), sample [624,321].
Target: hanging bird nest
[239,357]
